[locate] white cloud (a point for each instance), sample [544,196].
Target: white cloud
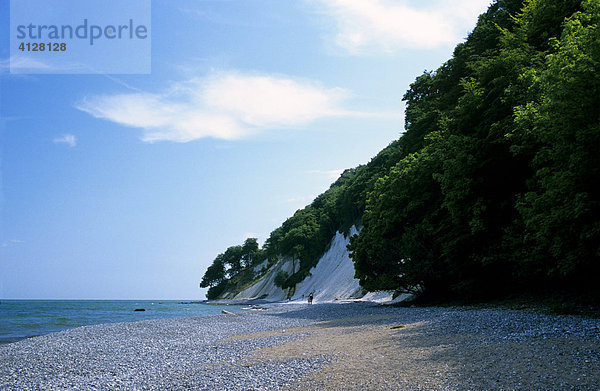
[387,25]
[67,139]
[225,106]
[331,174]
[269,102]
[10,242]
[25,63]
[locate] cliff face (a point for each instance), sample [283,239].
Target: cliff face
[331,279]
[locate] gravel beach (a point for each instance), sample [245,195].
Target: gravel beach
[349,346]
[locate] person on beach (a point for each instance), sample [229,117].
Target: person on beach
[310,298]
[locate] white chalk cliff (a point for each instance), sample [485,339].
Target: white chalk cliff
[330,280]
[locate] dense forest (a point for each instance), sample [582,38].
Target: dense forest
[494,187]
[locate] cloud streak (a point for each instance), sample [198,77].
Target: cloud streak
[10,242]
[25,64]
[387,26]
[226,106]
[67,139]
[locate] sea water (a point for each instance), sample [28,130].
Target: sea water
[21,319]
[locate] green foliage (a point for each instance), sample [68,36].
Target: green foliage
[214,292]
[215,274]
[281,279]
[250,253]
[500,189]
[561,210]
[395,237]
[232,269]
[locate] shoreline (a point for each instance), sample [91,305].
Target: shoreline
[322,346]
[22,319]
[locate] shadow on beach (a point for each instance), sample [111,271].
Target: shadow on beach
[442,348]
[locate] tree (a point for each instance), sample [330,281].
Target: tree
[215,274]
[561,212]
[281,279]
[232,258]
[250,250]
[395,247]
[513,115]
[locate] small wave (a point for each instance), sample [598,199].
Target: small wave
[63,322]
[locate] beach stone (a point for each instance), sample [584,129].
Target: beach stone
[349,346]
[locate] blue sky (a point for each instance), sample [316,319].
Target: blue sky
[127,186]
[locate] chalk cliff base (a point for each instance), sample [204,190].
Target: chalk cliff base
[332,279]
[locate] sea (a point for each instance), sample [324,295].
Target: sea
[20,319]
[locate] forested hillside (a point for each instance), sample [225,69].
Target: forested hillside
[494,185]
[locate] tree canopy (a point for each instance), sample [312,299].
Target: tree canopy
[501,193]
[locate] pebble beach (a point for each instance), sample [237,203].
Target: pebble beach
[334,346]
